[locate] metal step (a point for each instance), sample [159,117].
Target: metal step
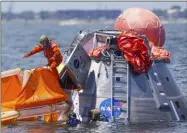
[119,58]
[119,92]
[122,109]
[119,67]
[118,76]
[117,87]
[116,72]
[120,61]
[119,97]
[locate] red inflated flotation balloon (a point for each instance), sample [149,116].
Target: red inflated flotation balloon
[144,22]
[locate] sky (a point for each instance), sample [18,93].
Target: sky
[53,6]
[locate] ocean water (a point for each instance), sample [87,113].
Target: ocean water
[18,39]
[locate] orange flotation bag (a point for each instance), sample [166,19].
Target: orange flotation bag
[144,22]
[134,51]
[96,52]
[160,53]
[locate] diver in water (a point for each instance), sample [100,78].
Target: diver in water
[51,52]
[73,121]
[104,118]
[96,115]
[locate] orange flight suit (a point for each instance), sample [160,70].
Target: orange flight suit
[51,52]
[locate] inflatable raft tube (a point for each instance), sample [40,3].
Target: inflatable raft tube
[9,73]
[8,115]
[42,110]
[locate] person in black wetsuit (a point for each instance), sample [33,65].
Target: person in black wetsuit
[73,121]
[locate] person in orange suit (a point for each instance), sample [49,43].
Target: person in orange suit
[51,52]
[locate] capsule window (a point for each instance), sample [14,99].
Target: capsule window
[177,104]
[108,41]
[167,79]
[117,78]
